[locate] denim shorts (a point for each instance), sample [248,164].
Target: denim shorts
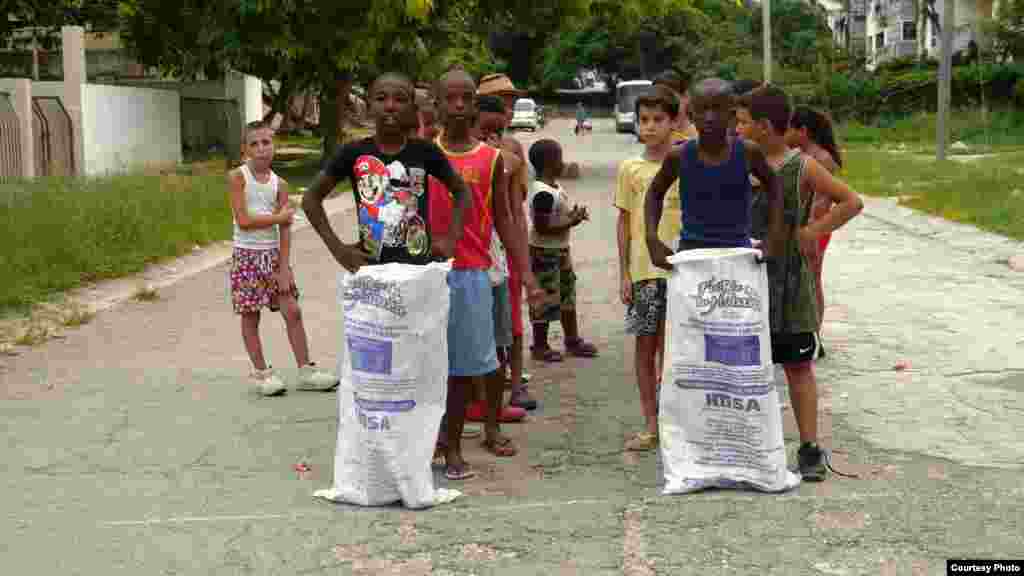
[471,344]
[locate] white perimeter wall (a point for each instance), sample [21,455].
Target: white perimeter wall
[127,128]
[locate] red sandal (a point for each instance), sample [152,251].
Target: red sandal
[477,412]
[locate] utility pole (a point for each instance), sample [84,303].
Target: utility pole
[945,78]
[766,25]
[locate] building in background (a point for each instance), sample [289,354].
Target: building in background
[848,23]
[892,31]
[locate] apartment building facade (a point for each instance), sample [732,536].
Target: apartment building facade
[891,30]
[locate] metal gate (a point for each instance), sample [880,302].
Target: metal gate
[10,140]
[54,137]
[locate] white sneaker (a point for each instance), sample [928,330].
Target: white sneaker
[312,378]
[269,382]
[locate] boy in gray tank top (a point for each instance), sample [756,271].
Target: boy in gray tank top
[764,115]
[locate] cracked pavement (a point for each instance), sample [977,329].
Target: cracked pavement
[135,446]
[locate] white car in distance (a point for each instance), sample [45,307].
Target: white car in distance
[524,115]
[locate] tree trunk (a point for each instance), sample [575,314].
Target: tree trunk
[343,87]
[328,120]
[280,102]
[334,112]
[288,116]
[307,104]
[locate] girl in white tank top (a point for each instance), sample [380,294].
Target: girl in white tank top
[260,200]
[261,275]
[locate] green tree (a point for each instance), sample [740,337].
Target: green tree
[638,39]
[519,30]
[797,26]
[46,17]
[1006,30]
[322,44]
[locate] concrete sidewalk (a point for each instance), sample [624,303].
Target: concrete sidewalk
[135,446]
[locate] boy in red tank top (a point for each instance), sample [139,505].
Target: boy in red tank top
[471,343]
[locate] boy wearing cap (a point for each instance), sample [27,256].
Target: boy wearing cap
[500,85]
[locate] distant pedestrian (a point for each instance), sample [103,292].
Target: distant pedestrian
[581,118]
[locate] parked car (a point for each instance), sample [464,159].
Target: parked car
[524,115]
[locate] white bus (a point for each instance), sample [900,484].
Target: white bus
[626,94]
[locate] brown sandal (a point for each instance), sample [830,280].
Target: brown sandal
[502,447]
[580,348]
[548,355]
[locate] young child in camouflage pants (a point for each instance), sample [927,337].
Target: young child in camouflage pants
[550,259]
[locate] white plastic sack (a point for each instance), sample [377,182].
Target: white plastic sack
[719,420]
[393,368]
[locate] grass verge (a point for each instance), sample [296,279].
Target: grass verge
[69,232]
[985,192]
[982,131]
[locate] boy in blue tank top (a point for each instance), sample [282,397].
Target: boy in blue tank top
[714,183]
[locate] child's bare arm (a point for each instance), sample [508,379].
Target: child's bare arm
[284,201]
[518,184]
[550,223]
[654,200]
[515,168]
[778,228]
[347,255]
[624,200]
[624,240]
[240,207]
[654,205]
[505,224]
[848,203]
[622,229]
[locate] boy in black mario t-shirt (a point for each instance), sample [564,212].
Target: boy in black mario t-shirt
[388,172]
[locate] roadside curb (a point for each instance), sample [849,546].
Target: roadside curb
[957,235]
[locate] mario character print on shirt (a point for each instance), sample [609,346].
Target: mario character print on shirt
[389,197]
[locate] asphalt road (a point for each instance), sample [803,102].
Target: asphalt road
[134,445]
